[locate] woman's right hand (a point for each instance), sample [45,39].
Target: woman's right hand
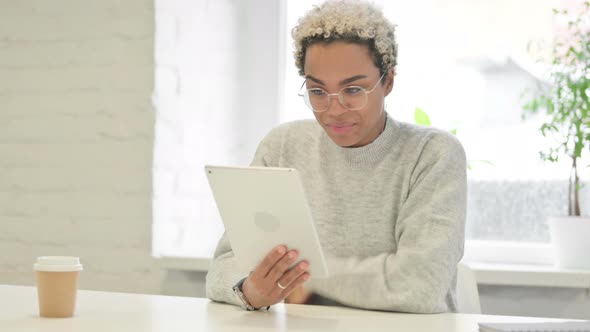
[262,288]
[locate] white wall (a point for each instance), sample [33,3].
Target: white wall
[76,131]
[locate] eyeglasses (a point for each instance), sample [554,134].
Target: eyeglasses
[352,98]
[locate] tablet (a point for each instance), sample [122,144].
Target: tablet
[261,208]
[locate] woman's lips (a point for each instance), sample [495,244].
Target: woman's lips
[341,128]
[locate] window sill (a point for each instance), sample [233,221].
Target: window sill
[530,275]
[486,274]
[184,263]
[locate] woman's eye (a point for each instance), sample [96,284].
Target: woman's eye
[353,90]
[317,92]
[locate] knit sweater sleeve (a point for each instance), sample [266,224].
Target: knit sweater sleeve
[429,230]
[223,271]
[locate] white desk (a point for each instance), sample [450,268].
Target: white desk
[103,311]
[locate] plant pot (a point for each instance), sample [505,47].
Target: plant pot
[571,241]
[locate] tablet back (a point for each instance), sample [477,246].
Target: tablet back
[261,208]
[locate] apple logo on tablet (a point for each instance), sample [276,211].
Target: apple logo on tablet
[266,221]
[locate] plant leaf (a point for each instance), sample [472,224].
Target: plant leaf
[421,118]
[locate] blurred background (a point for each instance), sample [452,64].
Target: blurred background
[110,109]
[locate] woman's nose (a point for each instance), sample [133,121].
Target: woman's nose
[335,107]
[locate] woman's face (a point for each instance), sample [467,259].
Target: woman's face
[337,65]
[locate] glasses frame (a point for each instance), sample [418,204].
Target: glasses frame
[339,95]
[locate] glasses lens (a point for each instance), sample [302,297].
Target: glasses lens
[317,99]
[353,97]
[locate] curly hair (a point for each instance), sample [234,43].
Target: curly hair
[352,21]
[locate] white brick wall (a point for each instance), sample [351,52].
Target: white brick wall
[76,138]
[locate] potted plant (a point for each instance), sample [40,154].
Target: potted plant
[566,105]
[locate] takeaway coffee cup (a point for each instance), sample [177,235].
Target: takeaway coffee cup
[57,285]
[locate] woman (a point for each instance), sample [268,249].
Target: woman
[388,198]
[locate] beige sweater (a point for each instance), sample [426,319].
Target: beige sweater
[391,212]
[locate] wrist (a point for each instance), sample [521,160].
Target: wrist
[247,294]
[240,292]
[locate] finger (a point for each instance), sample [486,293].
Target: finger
[269,261]
[290,276]
[298,282]
[282,266]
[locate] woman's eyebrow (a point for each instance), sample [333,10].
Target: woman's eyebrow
[343,82]
[352,79]
[318,81]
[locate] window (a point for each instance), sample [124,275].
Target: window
[467,68]
[216,95]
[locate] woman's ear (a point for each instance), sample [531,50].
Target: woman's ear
[389,81]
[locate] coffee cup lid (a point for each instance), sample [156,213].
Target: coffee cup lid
[57,264]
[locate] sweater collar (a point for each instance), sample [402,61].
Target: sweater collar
[370,154]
